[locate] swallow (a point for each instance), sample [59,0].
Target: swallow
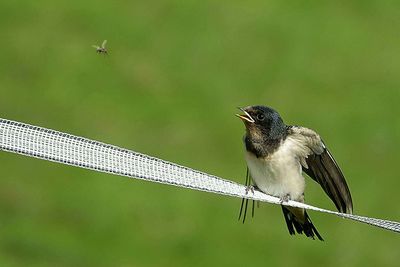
[277,155]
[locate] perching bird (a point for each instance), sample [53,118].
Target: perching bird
[277,154]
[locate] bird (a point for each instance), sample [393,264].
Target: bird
[277,155]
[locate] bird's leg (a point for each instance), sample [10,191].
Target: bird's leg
[249,188]
[285,198]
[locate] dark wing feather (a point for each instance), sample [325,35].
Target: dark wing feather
[318,163]
[325,171]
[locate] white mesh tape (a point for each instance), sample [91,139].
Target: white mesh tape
[85,153]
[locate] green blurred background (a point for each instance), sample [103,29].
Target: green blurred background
[175,73]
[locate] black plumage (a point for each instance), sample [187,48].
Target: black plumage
[324,170]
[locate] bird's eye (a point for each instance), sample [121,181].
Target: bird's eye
[260,117]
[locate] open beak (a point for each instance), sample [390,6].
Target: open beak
[246,116]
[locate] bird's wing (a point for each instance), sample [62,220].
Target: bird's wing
[96,46]
[318,163]
[103,45]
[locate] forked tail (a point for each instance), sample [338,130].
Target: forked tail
[300,226]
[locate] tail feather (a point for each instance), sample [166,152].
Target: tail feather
[305,227]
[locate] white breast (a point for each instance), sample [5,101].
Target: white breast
[280,173]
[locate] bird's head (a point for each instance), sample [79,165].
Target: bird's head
[262,122]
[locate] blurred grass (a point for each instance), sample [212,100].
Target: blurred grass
[169,88]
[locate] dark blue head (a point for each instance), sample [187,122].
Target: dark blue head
[263,123]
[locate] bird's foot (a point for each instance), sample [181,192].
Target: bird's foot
[285,198]
[250,188]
